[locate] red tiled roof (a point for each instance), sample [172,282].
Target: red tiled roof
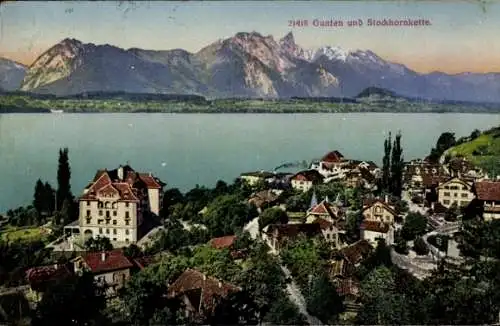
[375,226]
[223,242]
[323,208]
[294,230]
[149,180]
[308,175]
[367,203]
[114,260]
[37,276]
[333,157]
[356,252]
[143,262]
[487,190]
[209,288]
[429,180]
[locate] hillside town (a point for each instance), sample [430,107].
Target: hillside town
[331,227]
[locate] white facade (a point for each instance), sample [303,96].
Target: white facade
[302,185]
[455,191]
[372,236]
[111,218]
[154,200]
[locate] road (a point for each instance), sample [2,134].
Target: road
[293,290]
[296,297]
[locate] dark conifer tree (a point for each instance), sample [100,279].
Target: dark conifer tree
[63,179]
[386,162]
[38,198]
[397,165]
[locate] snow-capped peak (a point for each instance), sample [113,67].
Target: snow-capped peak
[331,52]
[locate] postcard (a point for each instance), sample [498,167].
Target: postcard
[260,148]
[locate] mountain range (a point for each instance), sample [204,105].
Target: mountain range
[244,65]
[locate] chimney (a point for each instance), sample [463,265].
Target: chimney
[55,266]
[103,256]
[386,199]
[220,285]
[204,277]
[433,205]
[120,173]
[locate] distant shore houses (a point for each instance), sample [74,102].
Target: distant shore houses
[333,166]
[115,204]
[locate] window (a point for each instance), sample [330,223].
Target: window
[378,209]
[114,222]
[464,203]
[446,187]
[107,231]
[126,240]
[100,213]
[447,194]
[464,188]
[446,202]
[455,195]
[127,215]
[88,220]
[107,214]
[114,213]
[88,212]
[100,230]
[126,204]
[114,239]
[127,232]
[114,231]
[88,203]
[465,195]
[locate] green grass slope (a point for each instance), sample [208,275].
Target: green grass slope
[483,151]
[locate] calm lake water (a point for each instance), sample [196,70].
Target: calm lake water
[188,149]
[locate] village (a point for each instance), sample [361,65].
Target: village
[336,202]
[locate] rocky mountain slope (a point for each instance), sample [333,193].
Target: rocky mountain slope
[244,65]
[11,74]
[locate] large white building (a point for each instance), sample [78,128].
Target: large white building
[114,204]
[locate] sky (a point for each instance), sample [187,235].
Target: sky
[462,36]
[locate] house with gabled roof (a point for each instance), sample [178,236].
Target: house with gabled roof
[114,204]
[487,192]
[377,209]
[455,190]
[199,294]
[110,269]
[276,235]
[305,180]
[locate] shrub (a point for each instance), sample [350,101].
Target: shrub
[420,247]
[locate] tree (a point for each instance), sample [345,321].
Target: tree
[72,301]
[323,301]
[452,213]
[226,215]
[415,225]
[49,198]
[401,246]
[353,224]
[98,244]
[262,279]
[386,163]
[284,312]
[445,141]
[272,215]
[171,197]
[397,165]
[420,246]
[63,178]
[132,251]
[39,197]
[476,133]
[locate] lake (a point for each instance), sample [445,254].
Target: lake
[188,149]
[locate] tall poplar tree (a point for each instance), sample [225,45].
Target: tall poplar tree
[397,165]
[386,164]
[63,179]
